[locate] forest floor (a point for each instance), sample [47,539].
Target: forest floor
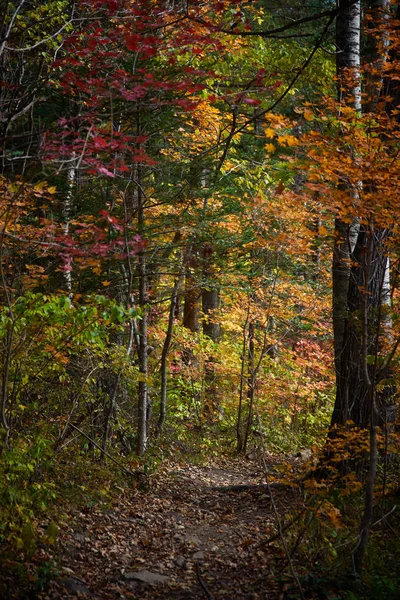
[178,539]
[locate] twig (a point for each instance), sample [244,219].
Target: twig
[291,84]
[273,538]
[203,586]
[276,485]
[277,517]
[384,516]
[128,471]
[133,474]
[272,33]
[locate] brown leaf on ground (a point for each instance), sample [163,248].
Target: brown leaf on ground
[147,544]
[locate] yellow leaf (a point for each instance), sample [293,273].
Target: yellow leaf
[308,115]
[51,533]
[270,147]
[287,140]
[269,133]
[106,283]
[291,140]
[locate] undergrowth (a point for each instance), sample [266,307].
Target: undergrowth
[41,488]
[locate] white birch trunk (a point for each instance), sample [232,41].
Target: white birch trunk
[349,92]
[67,214]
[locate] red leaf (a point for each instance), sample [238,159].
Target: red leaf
[99,142]
[132,42]
[105,171]
[252,101]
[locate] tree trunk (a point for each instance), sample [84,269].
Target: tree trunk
[210,304]
[164,354]
[191,307]
[360,301]
[67,210]
[364,301]
[211,328]
[251,376]
[191,304]
[355,284]
[348,73]
[142,410]
[239,426]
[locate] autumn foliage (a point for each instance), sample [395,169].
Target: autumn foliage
[171,177]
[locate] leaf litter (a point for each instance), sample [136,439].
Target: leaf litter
[180,539]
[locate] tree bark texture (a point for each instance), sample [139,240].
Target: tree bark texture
[210,296]
[210,304]
[191,307]
[348,73]
[361,305]
[358,286]
[348,37]
[142,406]
[364,308]
[164,354]
[251,377]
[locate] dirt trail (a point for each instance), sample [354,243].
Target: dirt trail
[186,540]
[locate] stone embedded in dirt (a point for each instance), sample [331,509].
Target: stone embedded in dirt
[78,537]
[147,576]
[74,587]
[198,555]
[180,561]
[192,539]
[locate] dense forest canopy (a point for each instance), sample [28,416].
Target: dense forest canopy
[198,238]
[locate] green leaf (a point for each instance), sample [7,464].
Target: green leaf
[51,532]
[28,537]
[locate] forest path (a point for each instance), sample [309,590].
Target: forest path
[181,539]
